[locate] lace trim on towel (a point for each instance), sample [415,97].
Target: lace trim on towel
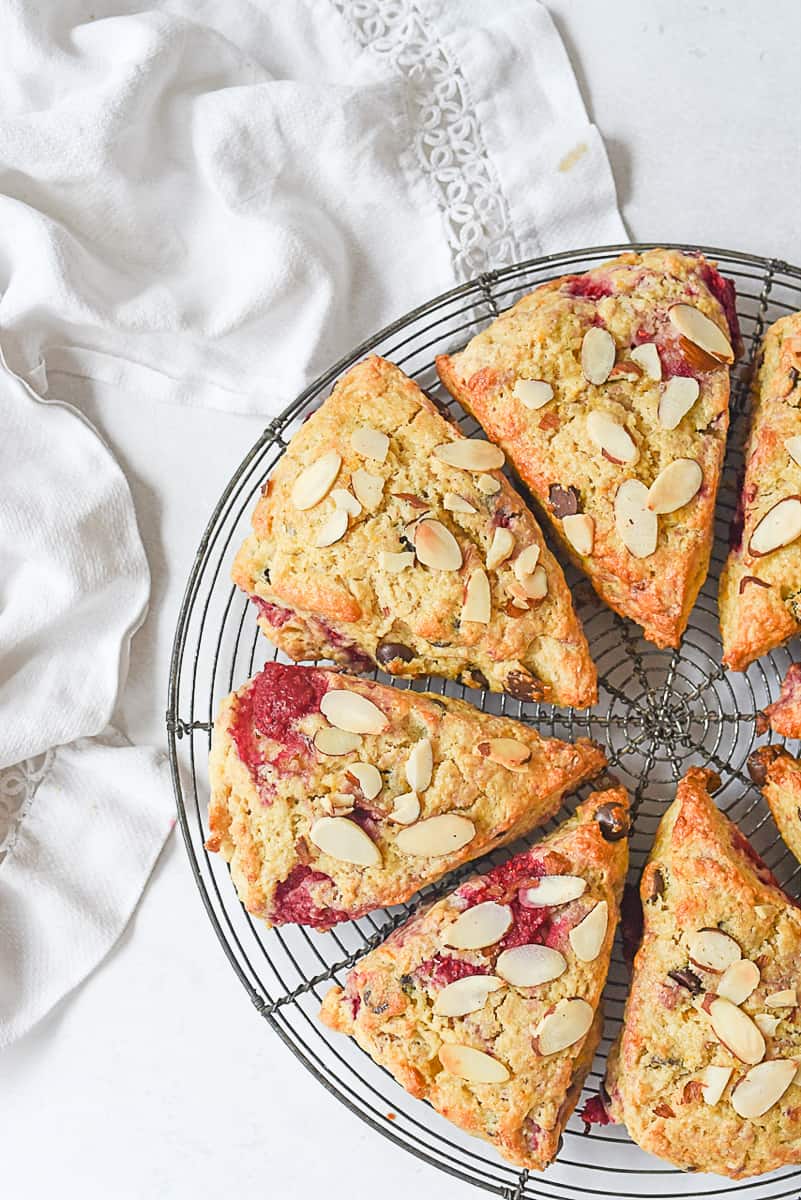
[18,786]
[448,143]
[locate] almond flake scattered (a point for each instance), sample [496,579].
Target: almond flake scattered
[713,949]
[443,834]
[762,1087]
[488,485]
[714,1082]
[477,603]
[480,926]
[646,356]
[701,331]
[406,809]
[533,393]
[333,528]
[588,936]
[530,965]
[675,486]
[780,526]
[336,742]
[786,998]
[737,1031]
[346,501]
[526,561]
[352,712]
[766,1024]
[369,489]
[501,546]
[579,529]
[551,890]
[370,443]
[456,503]
[368,777]
[612,438]
[473,1065]
[436,547]
[466,995]
[597,355]
[506,752]
[470,454]
[345,840]
[678,396]
[793,447]
[315,482]
[569,1021]
[738,981]
[420,765]
[636,525]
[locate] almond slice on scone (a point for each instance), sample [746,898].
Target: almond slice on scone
[760,586]
[384,537]
[636,354]
[700,1074]
[332,796]
[778,774]
[488,1005]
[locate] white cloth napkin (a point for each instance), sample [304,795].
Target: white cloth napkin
[215,201]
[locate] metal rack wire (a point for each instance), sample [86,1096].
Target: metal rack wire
[659,712]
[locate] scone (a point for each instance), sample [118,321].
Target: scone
[386,537]
[487,1004]
[778,774]
[760,586]
[332,796]
[609,393]
[704,1071]
[784,715]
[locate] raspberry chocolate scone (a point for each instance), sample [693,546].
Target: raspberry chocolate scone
[487,1004]
[778,774]
[760,587]
[784,715]
[386,537]
[704,1071]
[332,796]
[609,393]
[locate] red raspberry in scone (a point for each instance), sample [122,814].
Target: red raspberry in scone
[386,537]
[609,393]
[487,1004]
[760,586]
[778,774]
[704,1073]
[784,715]
[332,796]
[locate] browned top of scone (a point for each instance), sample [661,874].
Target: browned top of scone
[630,396]
[398,547]
[713,998]
[402,1000]
[760,587]
[784,715]
[778,774]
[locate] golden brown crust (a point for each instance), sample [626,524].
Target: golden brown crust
[778,774]
[541,338]
[784,715]
[339,602]
[754,618]
[388,1001]
[702,874]
[270,784]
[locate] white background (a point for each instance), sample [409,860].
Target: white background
[158,1079]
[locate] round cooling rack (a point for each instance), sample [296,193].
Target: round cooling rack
[658,713]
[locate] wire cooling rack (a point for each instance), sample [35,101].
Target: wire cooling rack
[658,713]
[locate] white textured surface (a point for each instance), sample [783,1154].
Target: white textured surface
[158,1080]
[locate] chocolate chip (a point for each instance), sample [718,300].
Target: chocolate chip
[565,502]
[759,762]
[687,979]
[657,886]
[474,678]
[746,579]
[523,686]
[407,984]
[794,376]
[388,652]
[613,821]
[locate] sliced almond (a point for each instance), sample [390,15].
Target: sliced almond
[678,396]
[699,360]
[436,547]
[480,926]
[473,1065]
[569,1021]
[793,447]
[533,393]
[346,500]
[597,355]
[406,809]
[701,331]
[579,529]
[345,840]
[456,503]
[389,560]
[738,981]
[611,437]
[553,889]
[477,602]
[465,996]
[352,712]
[530,965]
[786,998]
[766,1024]
[368,777]
[535,585]
[507,752]
[488,485]
[675,486]
[443,834]
[526,562]
[762,1087]
[713,1083]
[336,804]
[737,1031]
[501,546]
[370,443]
[712,949]
[779,526]
[519,599]
[764,911]
[646,356]
[587,937]
[336,742]
[332,529]
[636,525]
[315,482]
[369,488]
[420,765]
[470,454]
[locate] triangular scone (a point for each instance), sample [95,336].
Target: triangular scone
[332,796]
[703,1073]
[490,1008]
[784,715]
[760,586]
[778,774]
[370,546]
[609,392]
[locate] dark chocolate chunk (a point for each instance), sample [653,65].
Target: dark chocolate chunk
[759,762]
[687,979]
[387,652]
[614,821]
[524,686]
[565,502]
[474,678]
